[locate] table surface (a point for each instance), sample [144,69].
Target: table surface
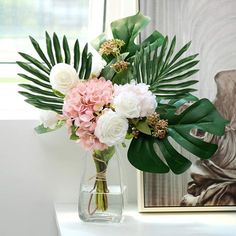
[139,224]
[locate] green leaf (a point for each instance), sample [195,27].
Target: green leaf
[110,74]
[37,90]
[155,40]
[173,91]
[73,135]
[39,51]
[178,78]
[58,94]
[160,59]
[40,93]
[194,145]
[180,69]
[41,129]
[84,61]
[36,81]
[143,127]
[177,163]
[180,53]
[76,55]
[201,115]
[170,52]
[35,62]
[66,49]
[179,63]
[57,48]
[41,98]
[180,102]
[141,155]
[88,67]
[49,48]
[32,70]
[127,30]
[129,136]
[45,106]
[123,77]
[155,67]
[106,154]
[178,85]
[107,72]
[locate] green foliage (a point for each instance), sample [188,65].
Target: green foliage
[142,155]
[73,135]
[201,115]
[117,78]
[40,93]
[41,129]
[127,29]
[153,62]
[166,73]
[143,127]
[105,155]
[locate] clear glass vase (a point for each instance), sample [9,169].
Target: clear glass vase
[101,191]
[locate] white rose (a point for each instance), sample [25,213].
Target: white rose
[127,105]
[111,128]
[97,62]
[49,118]
[63,77]
[148,104]
[147,100]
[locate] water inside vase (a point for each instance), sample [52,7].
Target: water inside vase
[87,205]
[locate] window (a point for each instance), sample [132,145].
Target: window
[83,19]
[21,18]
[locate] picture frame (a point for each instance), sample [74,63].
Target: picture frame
[142,207]
[209,26]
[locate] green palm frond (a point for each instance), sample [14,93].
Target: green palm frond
[166,73]
[39,92]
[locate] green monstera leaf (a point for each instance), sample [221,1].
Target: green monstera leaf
[141,155]
[127,29]
[201,115]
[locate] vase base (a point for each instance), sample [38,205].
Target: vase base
[101,217]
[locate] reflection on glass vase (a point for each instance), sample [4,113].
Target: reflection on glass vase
[101,191]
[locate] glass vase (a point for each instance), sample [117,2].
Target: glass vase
[101,191]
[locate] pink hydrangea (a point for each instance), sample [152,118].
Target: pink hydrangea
[81,106]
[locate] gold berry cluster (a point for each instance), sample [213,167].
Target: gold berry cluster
[159,126]
[135,132]
[120,66]
[111,46]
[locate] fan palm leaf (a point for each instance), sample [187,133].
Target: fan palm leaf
[166,73]
[40,92]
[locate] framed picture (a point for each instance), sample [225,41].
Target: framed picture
[208,185]
[167,193]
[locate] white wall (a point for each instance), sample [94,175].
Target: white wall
[35,171]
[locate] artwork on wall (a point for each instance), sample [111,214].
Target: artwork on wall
[208,184]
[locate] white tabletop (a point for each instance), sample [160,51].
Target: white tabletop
[137,224]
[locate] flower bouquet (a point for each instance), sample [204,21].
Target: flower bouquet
[116,90]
